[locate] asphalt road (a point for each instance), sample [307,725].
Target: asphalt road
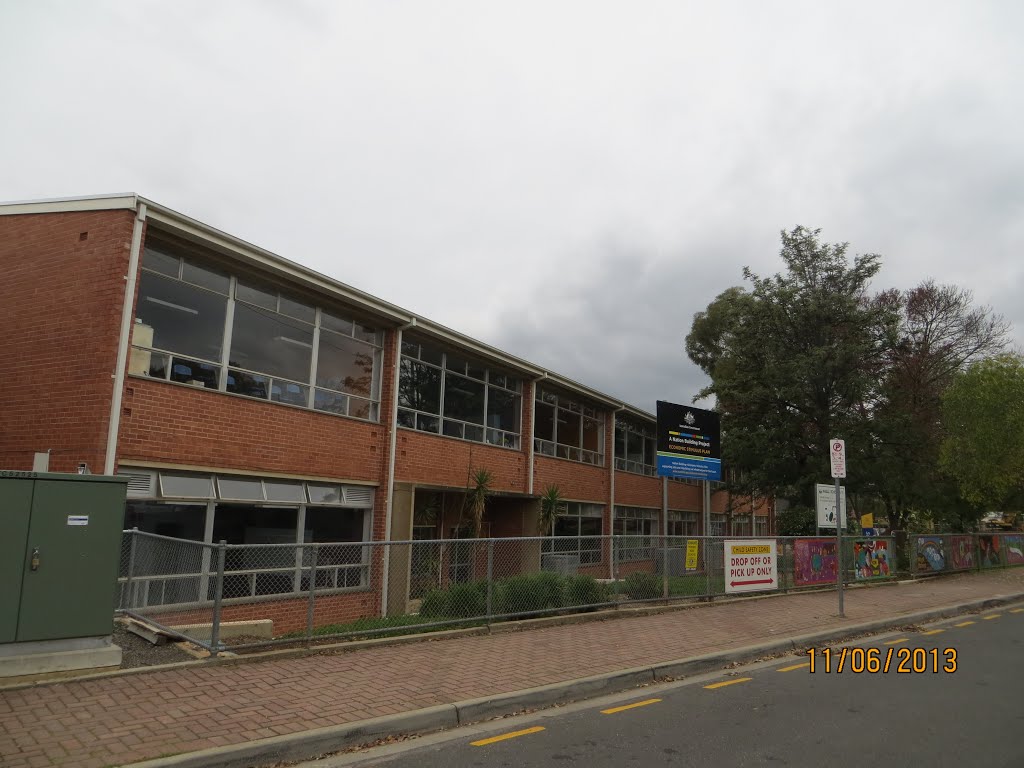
[775,714]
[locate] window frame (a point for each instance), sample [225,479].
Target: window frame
[589,548]
[435,357]
[575,409]
[220,375]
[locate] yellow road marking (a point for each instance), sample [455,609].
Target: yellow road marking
[728,682]
[933,632]
[795,666]
[991,616]
[964,624]
[897,641]
[1017,610]
[512,735]
[643,703]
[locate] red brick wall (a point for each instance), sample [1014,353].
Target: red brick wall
[60,313]
[632,490]
[424,458]
[580,482]
[288,614]
[686,497]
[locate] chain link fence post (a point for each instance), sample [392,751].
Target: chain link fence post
[218,594]
[311,604]
[490,579]
[128,602]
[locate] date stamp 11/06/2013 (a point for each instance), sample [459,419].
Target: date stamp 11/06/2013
[874,660]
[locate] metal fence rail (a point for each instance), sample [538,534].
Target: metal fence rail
[270,594]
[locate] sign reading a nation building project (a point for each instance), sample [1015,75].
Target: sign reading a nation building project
[688,442]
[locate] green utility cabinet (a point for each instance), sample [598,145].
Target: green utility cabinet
[60,544]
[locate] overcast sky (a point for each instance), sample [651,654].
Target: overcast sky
[568,181]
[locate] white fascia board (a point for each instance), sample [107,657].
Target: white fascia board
[176,223]
[127,201]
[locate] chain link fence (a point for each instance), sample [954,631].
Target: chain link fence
[253,595]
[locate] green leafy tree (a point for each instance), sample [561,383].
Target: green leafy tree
[793,361]
[984,417]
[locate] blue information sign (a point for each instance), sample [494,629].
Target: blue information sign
[688,442]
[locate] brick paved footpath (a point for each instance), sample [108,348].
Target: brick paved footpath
[124,719]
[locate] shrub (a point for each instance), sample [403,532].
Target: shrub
[459,601]
[642,586]
[523,594]
[584,590]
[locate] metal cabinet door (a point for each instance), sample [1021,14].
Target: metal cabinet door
[76,528]
[15,511]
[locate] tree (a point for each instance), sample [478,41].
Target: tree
[550,505]
[795,360]
[477,495]
[984,415]
[939,333]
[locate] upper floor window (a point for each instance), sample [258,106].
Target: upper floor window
[567,428]
[446,393]
[195,324]
[636,447]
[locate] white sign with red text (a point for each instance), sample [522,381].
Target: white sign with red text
[750,565]
[837,452]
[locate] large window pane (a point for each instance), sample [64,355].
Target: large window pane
[181,318]
[568,428]
[345,364]
[419,386]
[161,262]
[205,277]
[463,399]
[180,521]
[270,343]
[591,434]
[501,410]
[330,525]
[544,418]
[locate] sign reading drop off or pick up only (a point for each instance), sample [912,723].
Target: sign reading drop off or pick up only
[750,565]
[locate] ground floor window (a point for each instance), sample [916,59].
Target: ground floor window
[578,529]
[637,526]
[717,525]
[760,525]
[682,524]
[741,526]
[265,559]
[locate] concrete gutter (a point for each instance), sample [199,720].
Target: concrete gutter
[315,743]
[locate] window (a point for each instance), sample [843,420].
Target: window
[760,525]
[741,525]
[444,393]
[578,529]
[682,524]
[179,327]
[717,525]
[186,310]
[567,428]
[253,511]
[637,525]
[636,447]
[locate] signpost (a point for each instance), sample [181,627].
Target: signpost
[751,565]
[837,456]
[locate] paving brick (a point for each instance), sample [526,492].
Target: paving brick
[198,708]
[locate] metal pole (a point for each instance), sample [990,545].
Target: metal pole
[839,549]
[311,605]
[128,601]
[664,537]
[218,594]
[490,577]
